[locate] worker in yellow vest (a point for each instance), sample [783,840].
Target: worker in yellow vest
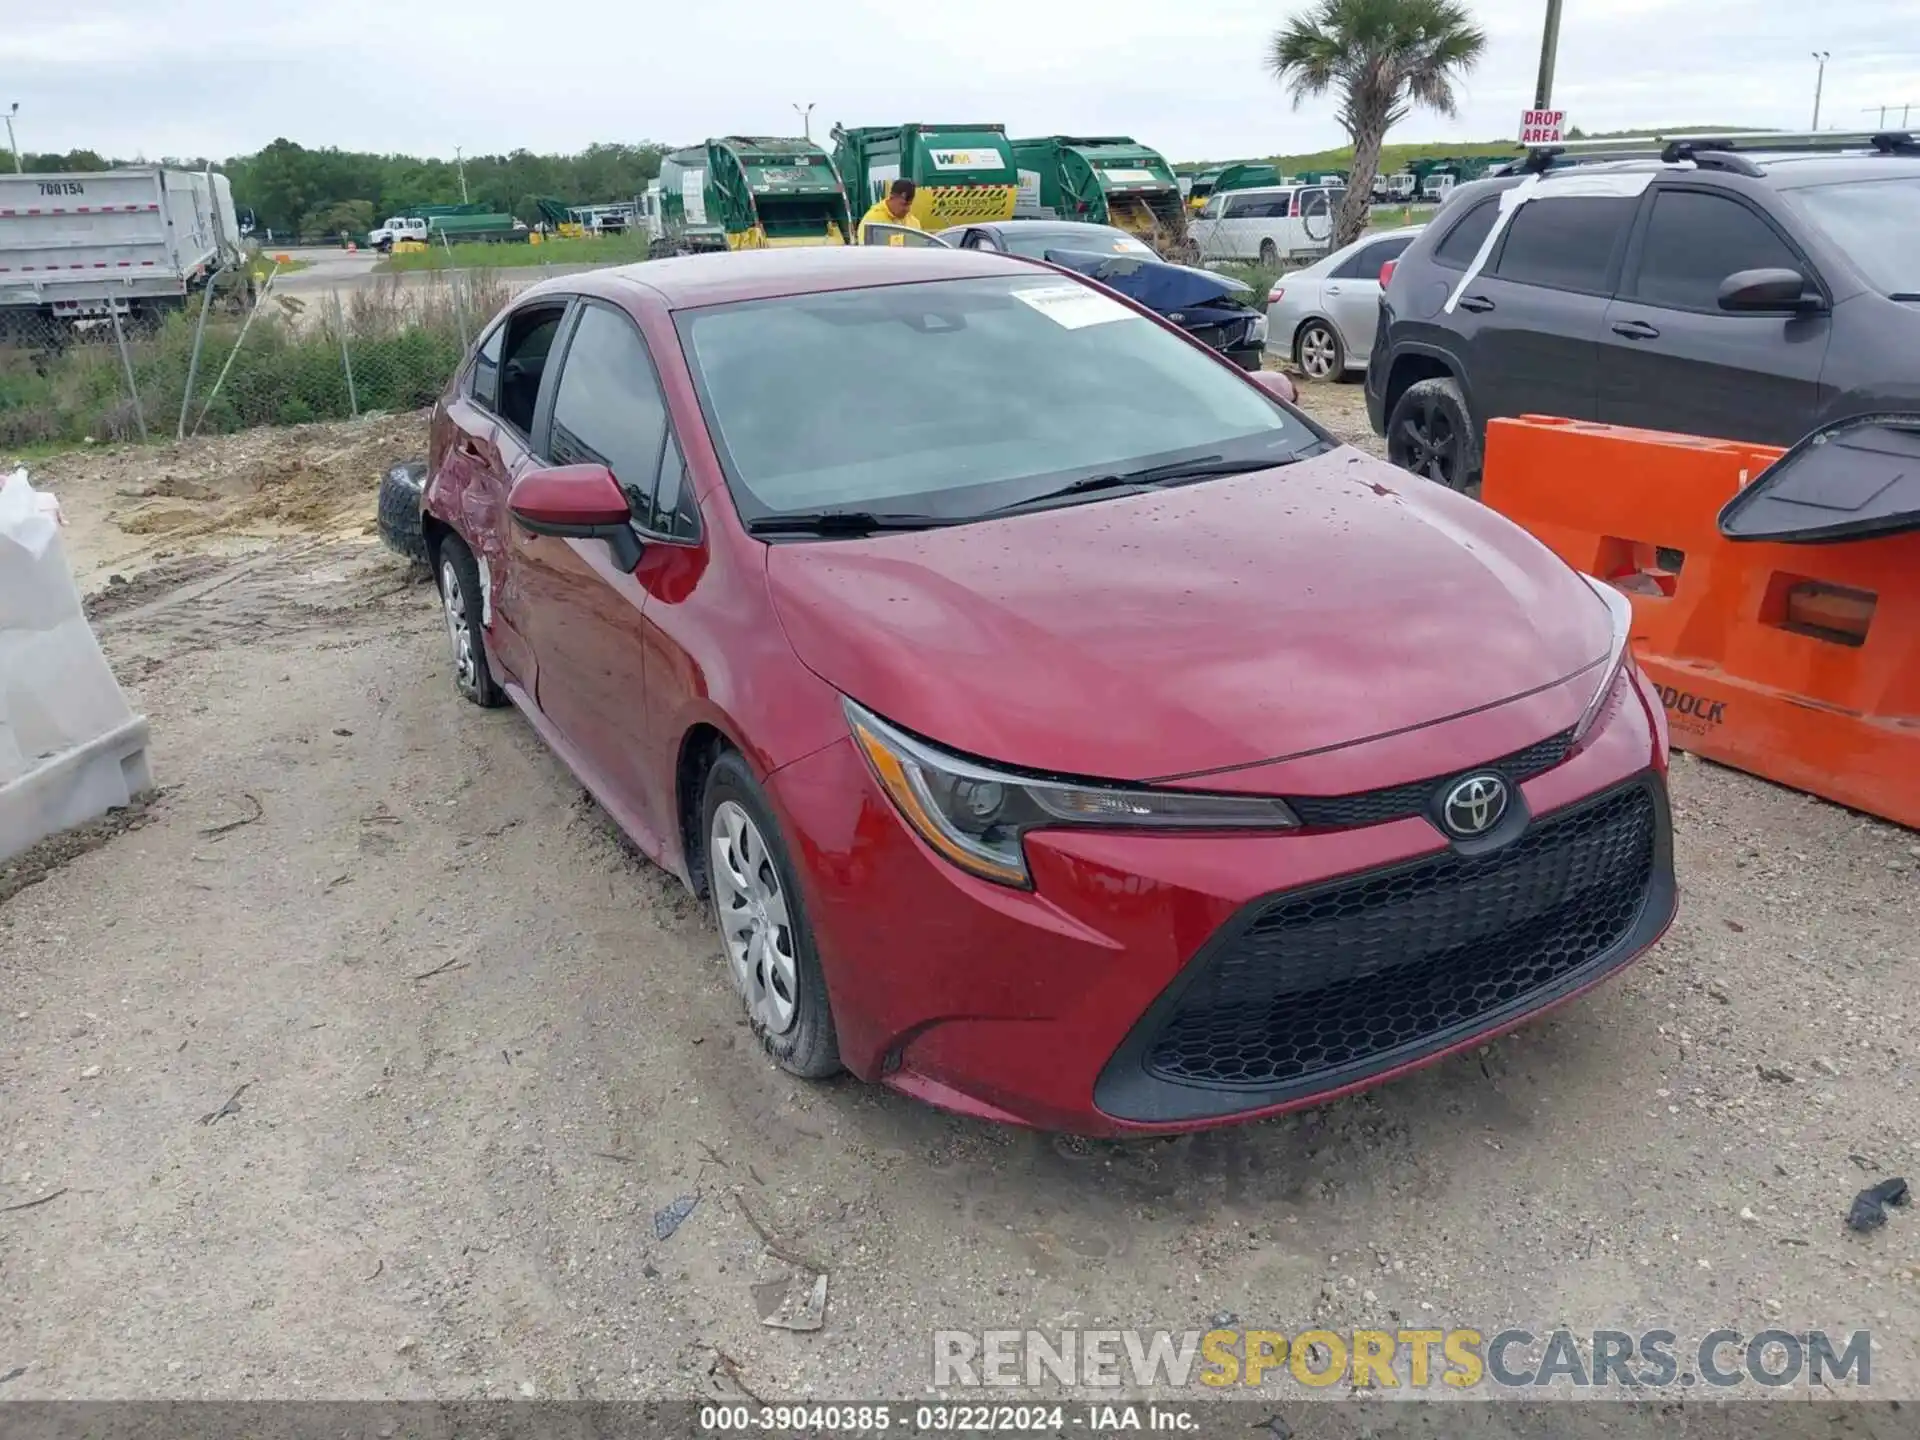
[893,208]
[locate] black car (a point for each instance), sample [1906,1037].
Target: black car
[1215,309]
[1747,294]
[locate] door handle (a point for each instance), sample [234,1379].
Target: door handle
[1478,304]
[1333,289]
[1636,330]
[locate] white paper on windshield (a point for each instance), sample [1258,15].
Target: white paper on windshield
[1073,306]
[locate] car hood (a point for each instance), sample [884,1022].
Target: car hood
[1156,284]
[1214,625]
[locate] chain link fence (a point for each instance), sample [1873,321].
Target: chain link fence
[226,362]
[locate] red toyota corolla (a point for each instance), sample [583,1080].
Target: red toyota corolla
[1065,729]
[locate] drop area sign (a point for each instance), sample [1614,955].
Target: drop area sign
[1542,127]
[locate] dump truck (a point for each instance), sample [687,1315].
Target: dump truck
[1105,180]
[749,192]
[78,247]
[464,227]
[964,174]
[1241,175]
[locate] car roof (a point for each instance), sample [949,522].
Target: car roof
[691,281]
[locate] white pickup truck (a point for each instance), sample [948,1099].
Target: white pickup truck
[397,228]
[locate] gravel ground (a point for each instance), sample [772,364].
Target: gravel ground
[361,1066]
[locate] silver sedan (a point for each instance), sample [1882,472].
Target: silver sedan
[1323,317]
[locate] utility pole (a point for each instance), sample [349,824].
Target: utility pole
[459,161]
[1819,82]
[19,168]
[806,119]
[1549,47]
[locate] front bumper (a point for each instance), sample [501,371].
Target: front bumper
[1084,1004]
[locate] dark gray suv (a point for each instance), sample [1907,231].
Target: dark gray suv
[1748,295]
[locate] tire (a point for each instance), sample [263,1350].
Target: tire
[1269,254]
[399,511]
[1318,351]
[1431,434]
[459,581]
[761,917]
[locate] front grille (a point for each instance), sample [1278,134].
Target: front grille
[1396,802]
[1400,960]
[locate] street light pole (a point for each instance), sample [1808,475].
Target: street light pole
[1819,83]
[460,161]
[18,167]
[1549,47]
[806,118]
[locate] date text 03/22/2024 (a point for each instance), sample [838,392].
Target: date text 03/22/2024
[943,1417]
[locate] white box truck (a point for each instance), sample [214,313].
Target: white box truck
[139,240]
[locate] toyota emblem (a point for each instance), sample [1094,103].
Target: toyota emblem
[1474,805]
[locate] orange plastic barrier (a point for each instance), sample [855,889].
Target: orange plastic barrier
[1797,662]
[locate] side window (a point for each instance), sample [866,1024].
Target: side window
[1460,244]
[609,409]
[1365,263]
[529,335]
[483,382]
[1213,209]
[1246,207]
[1694,241]
[1564,244]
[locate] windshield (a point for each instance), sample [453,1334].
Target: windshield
[1096,238]
[955,397]
[1876,222]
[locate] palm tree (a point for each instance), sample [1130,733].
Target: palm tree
[1381,57]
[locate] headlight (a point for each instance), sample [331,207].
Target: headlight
[975,815]
[1619,657]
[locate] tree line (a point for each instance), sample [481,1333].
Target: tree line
[294,191]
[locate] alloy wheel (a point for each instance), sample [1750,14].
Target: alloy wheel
[1316,352]
[466,669]
[1428,443]
[755,925]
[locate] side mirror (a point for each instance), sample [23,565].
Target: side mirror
[577,502]
[1276,383]
[1774,288]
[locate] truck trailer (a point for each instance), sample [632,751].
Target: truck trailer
[138,241]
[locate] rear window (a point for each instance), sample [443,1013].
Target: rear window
[1097,238]
[1565,244]
[1877,224]
[951,397]
[1460,244]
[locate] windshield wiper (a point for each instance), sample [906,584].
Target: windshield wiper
[843,522]
[1196,469]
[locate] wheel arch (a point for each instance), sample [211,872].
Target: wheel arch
[1412,366]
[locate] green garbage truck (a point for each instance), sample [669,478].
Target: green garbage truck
[1106,180]
[963,174]
[749,192]
[1241,175]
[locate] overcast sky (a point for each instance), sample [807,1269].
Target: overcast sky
[223,77]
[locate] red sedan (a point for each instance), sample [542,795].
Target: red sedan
[1065,729]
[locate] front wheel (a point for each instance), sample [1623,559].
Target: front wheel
[763,924]
[1319,351]
[1431,434]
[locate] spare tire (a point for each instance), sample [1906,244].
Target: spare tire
[400,490]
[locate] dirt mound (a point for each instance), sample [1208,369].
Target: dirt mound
[295,480]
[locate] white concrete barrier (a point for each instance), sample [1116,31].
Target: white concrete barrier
[70,747]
